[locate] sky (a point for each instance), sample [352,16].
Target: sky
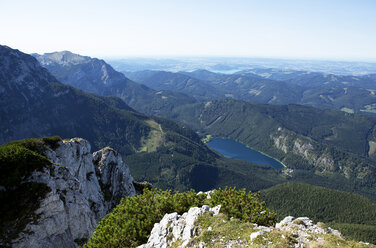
[316,29]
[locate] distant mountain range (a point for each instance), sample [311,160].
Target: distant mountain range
[346,93]
[33,103]
[332,143]
[96,76]
[309,139]
[163,80]
[313,79]
[219,86]
[231,65]
[323,147]
[158,92]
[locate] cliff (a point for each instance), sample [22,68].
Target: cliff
[82,189]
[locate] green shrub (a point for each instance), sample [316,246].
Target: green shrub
[242,205]
[19,198]
[132,220]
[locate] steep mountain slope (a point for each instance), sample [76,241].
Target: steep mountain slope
[162,80]
[96,76]
[54,192]
[33,104]
[332,143]
[336,208]
[168,155]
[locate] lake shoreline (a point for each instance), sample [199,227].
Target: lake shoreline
[253,152]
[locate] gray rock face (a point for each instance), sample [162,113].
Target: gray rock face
[86,73]
[77,201]
[175,227]
[302,229]
[96,76]
[89,74]
[116,180]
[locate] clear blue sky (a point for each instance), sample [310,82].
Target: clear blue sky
[328,29]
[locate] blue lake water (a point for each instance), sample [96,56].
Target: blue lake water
[226,71]
[233,149]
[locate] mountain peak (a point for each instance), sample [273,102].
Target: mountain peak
[63,57]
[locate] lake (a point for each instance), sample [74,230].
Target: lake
[233,149]
[226,71]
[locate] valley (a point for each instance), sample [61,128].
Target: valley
[188,124]
[328,148]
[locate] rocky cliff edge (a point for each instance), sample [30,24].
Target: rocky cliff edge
[84,188]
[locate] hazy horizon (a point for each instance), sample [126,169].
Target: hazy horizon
[299,30]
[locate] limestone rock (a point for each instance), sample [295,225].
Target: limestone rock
[256,234]
[76,203]
[175,227]
[290,232]
[115,179]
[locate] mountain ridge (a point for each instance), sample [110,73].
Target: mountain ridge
[96,76]
[150,145]
[309,145]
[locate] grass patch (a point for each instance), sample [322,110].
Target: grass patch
[369,108]
[347,110]
[218,231]
[154,139]
[332,241]
[222,229]
[372,148]
[299,222]
[207,138]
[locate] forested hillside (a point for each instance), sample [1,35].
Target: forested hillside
[168,155]
[352,214]
[333,144]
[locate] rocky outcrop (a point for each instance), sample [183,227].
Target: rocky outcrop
[303,229]
[305,149]
[79,183]
[89,74]
[218,230]
[115,180]
[174,227]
